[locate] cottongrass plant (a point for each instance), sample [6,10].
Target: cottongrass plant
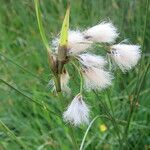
[92,67]
[72,47]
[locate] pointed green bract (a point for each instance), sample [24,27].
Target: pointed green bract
[64,29]
[41,29]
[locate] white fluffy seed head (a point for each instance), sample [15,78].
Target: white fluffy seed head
[77,43]
[125,56]
[91,60]
[64,78]
[77,112]
[103,32]
[95,78]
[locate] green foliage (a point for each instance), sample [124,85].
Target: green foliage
[65,28]
[30,115]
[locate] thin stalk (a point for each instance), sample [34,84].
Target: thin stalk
[81,77]
[41,29]
[44,39]
[89,127]
[112,119]
[20,92]
[136,94]
[110,103]
[57,81]
[87,131]
[13,136]
[145,23]
[134,102]
[12,61]
[74,142]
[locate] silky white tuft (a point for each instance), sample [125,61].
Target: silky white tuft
[77,112]
[77,43]
[125,56]
[95,78]
[103,32]
[64,78]
[90,60]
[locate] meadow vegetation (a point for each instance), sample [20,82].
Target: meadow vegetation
[31,114]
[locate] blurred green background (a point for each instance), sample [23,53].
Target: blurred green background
[24,68]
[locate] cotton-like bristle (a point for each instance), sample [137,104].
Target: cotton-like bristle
[91,60]
[77,43]
[125,56]
[96,78]
[77,112]
[64,78]
[103,32]
[55,43]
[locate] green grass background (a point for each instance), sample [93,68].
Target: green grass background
[24,68]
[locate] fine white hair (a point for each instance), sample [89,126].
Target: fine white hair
[77,112]
[103,32]
[77,43]
[125,56]
[95,78]
[64,78]
[91,60]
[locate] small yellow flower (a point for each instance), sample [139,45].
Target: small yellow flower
[103,127]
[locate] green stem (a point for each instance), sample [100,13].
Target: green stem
[57,82]
[138,91]
[13,62]
[112,119]
[41,29]
[44,39]
[32,100]
[13,136]
[145,24]
[86,133]
[134,102]
[81,77]
[75,145]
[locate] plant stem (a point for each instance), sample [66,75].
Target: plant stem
[75,145]
[26,70]
[81,77]
[85,135]
[44,39]
[41,29]
[32,100]
[57,82]
[145,23]
[136,94]
[111,118]
[133,104]
[13,136]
